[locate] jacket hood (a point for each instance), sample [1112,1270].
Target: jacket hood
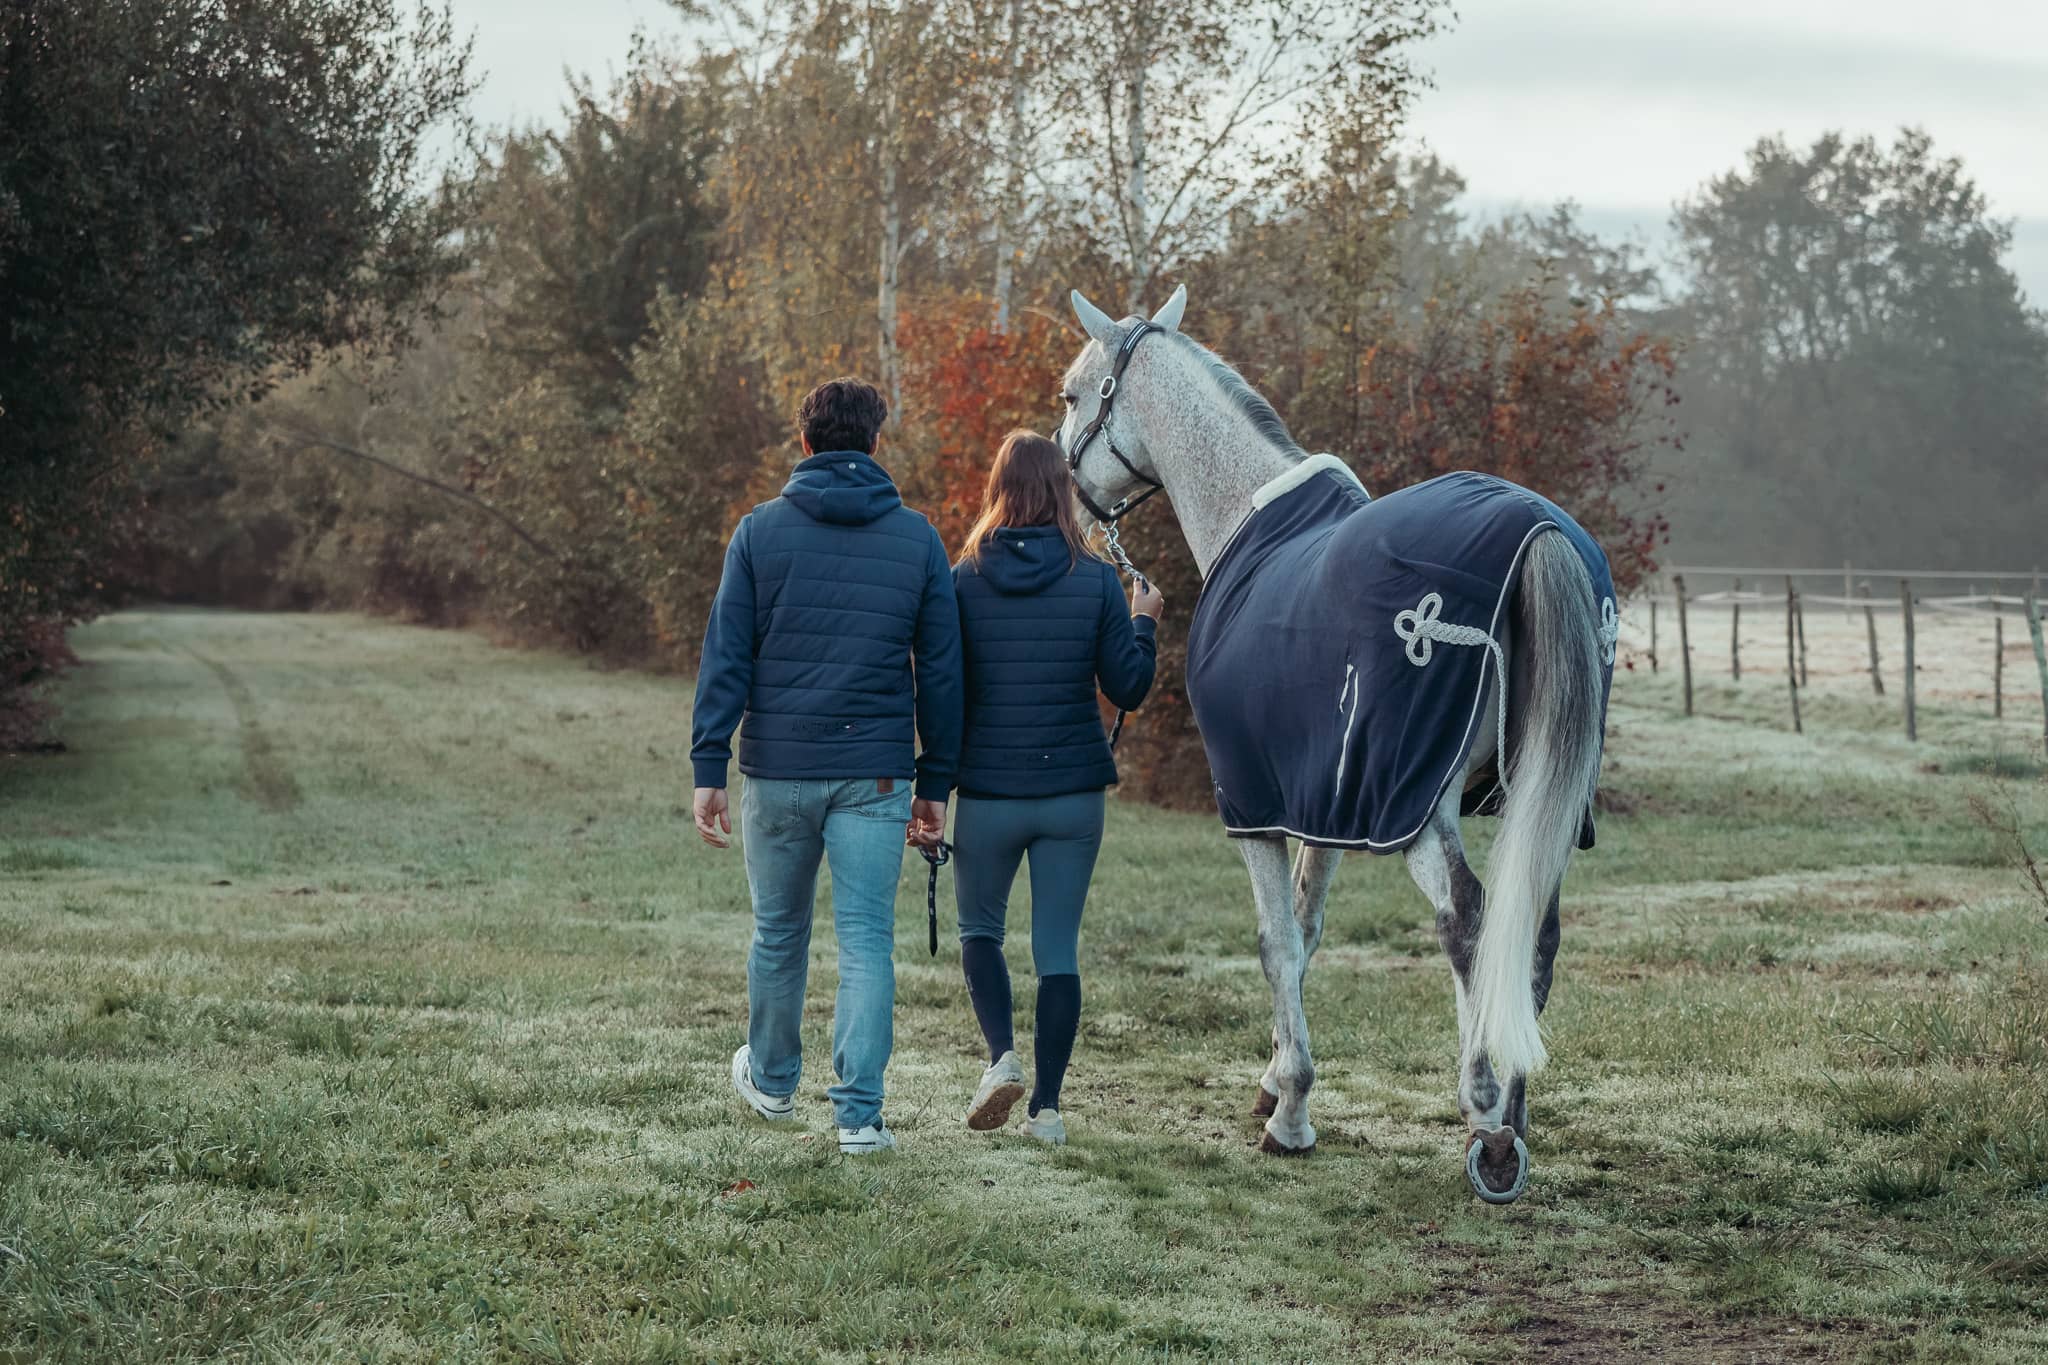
[1025,559]
[842,486]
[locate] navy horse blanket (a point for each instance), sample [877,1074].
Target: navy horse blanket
[1340,654]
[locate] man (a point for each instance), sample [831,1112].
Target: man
[829,595]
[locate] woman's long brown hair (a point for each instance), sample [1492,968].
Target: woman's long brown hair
[1027,486]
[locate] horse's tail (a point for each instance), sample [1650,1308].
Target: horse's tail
[1550,775]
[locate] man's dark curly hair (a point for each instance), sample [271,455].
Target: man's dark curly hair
[842,414]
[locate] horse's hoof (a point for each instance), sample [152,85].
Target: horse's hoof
[1273,1146]
[1265,1104]
[1497,1165]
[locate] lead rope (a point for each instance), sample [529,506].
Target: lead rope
[937,858]
[1112,540]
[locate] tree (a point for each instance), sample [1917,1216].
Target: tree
[849,170]
[581,233]
[971,382]
[196,197]
[578,230]
[1017,144]
[558,450]
[1856,327]
[1188,112]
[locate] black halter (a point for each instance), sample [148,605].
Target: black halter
[1100,427]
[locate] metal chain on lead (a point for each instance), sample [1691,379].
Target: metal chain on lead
[1113,541]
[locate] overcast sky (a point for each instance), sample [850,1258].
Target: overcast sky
[1622,105]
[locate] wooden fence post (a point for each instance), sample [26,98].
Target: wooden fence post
[1870,626]
[1906,611]
[1653,634]
[1791,658]
[2040,657]
[1997,664]
[1735,631]
[1684,642]
[1799,613]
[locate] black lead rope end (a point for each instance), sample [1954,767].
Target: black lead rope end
[935,858]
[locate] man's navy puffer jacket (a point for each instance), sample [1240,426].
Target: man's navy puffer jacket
[1039,630]
[830,592]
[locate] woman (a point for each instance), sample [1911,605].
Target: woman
[1042,622]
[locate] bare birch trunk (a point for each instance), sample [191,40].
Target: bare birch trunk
[890,262]
[1012,206]
[1137,211]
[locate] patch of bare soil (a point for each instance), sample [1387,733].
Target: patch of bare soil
[1565,1324]
[1610,799]
[1904,889]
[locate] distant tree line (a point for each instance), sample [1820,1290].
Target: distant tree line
[1866,379]
[628,302]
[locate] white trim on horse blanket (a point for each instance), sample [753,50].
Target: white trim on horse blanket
[1340,655]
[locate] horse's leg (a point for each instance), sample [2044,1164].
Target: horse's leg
[1281,953]
[1314,870]
[1495,1115]
[1516,1115]
[1436,860]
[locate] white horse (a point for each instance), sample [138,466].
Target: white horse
[1168,415]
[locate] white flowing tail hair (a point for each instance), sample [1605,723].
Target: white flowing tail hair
[1550,776]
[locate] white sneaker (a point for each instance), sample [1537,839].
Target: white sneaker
[876,1137]
[774,1108]
[1047,1126]
[1002,1085]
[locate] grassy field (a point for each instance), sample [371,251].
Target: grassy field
[364,996]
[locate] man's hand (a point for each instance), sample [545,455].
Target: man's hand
[712,816]
[927,825]
[1146,599]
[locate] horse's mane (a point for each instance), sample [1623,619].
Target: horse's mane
[1246,399]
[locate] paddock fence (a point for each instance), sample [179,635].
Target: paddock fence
[1957,608]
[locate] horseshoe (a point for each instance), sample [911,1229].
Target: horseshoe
[1480,1187]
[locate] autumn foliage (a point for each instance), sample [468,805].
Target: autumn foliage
[1560,404]
[967,385]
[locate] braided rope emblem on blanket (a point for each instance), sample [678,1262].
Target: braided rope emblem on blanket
[1422,627]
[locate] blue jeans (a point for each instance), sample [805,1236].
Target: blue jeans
[787,828]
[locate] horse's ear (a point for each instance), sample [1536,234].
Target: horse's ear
[1167,319]
[1094,321]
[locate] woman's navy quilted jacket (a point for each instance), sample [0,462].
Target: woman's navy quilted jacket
[1039,630]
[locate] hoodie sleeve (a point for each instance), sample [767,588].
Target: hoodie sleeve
[960,573]
[941,685]
[726,675]
[1126,650]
